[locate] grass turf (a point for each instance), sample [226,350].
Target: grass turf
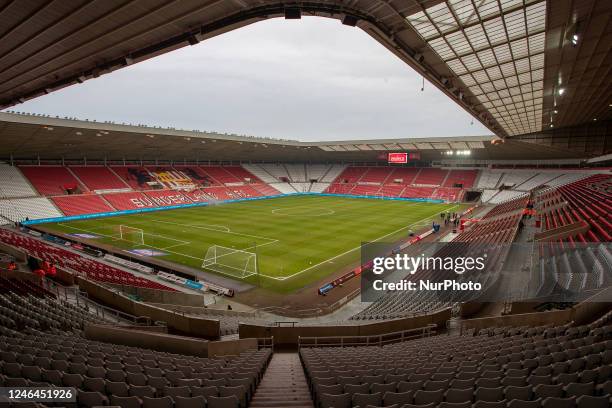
[298,240]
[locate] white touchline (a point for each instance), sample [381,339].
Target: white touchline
[356,248]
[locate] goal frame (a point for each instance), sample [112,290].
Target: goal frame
[213,261]
[122,231]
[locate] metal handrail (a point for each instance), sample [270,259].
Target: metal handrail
[265,342]
[82,298]
[371,340]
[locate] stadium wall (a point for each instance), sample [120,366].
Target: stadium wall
[287,336]
[187,325]
[19,255]
[175,207]
[147,337]
[163,297]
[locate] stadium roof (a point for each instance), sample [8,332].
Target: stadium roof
[27,137]
[511,63]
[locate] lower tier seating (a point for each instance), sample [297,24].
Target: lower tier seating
[549,367]
[82,204]
[41,346]
[63,258]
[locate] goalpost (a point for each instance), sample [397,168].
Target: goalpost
[230,261]
[131,234]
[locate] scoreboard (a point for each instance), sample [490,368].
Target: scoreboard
[401,158]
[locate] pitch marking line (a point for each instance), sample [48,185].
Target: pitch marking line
[272,240]
[356,248]
[147,245]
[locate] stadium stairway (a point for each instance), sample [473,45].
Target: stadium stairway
[283,384]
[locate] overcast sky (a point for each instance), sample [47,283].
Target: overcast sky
[310,79]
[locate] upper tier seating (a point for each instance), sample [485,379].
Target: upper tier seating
[566,178]
[316,171]
[93,269]
[296,172]
[18,209]
[51,180]
[242,174]
[351,175]
[505,195]
[540,367]
[431,176]
[220,174]
[487,195]
[488,179]
[260,173]
[13,183]
[197,175]
[463,177]
[98,178]
[334,171]
[82,204]
[538,180]
[277,171]
[515,178]
[136,177]
[376,175]
[403,175]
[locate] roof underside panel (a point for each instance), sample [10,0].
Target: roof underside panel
[496,48]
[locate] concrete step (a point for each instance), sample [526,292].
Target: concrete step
[283,385]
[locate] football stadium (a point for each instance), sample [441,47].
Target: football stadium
[146,266]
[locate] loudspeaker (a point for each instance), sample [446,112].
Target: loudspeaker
[293,13]
[349,20]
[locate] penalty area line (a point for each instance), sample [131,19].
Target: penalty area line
[143,244]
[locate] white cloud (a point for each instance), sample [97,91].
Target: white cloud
[310,79]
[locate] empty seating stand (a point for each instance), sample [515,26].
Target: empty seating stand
[93,269]
[41,345]
[13,183]
[98,178]
[51,180]
[82,204]
[549,367]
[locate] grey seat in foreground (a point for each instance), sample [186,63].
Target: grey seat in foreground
[162,402]
[335,401]
[223,402]
[189,402]
[125,402]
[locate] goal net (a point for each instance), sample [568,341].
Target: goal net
[131,234]
[230,261]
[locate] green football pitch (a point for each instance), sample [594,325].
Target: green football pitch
[281,243]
